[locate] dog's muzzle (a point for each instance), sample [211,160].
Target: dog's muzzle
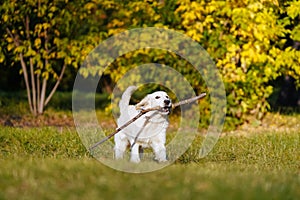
[167,108]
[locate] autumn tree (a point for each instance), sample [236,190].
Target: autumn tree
[249,42]
[252,43]
[43,38]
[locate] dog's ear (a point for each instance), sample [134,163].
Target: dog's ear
[142,104]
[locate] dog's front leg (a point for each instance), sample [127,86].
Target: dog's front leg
[134,154]
[159,151]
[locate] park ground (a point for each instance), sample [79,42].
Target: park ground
[43,158]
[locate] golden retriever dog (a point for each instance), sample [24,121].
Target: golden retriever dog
[148,131]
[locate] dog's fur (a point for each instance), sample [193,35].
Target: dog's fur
[150,128]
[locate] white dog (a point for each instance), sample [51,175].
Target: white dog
[147,131]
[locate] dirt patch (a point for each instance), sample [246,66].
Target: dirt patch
[38,121]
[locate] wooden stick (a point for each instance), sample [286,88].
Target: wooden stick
[124,126]
[186,101]
[190,100]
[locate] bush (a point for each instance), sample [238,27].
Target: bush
[252,43]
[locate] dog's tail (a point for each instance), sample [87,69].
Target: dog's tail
[124,102]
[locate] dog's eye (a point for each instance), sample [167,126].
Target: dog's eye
[157,97]
[167,97]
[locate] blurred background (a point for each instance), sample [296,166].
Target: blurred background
[254,43]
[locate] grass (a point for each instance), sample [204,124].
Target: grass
[51,163]
[87,179]
[16,102]
[44,158]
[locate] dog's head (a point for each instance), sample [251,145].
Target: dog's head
[155,99]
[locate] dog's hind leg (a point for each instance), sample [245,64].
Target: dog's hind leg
[120,146]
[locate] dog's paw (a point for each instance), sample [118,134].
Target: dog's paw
[135,159]
[118,155]
[161,160]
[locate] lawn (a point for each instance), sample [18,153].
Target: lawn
[51,163]
[43,158]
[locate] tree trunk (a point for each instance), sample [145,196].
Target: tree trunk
[43,94]
[38,88]
[24,68]
[23,64]
[33,88]
[56,84]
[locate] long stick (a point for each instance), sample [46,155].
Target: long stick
[186,101]
[190,100]
[124,126]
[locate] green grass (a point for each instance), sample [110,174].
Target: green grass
[256,162]
[16,102]
[86,179]
[51,163]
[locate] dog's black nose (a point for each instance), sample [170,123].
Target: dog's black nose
[167,102]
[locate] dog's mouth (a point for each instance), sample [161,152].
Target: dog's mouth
[166,109]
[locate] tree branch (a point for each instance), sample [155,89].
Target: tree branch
[31,67]
[24,68]
[43,93]
[186,101]
[56,84]
[38,88]
[15,38]
[33,85]
[124,126]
